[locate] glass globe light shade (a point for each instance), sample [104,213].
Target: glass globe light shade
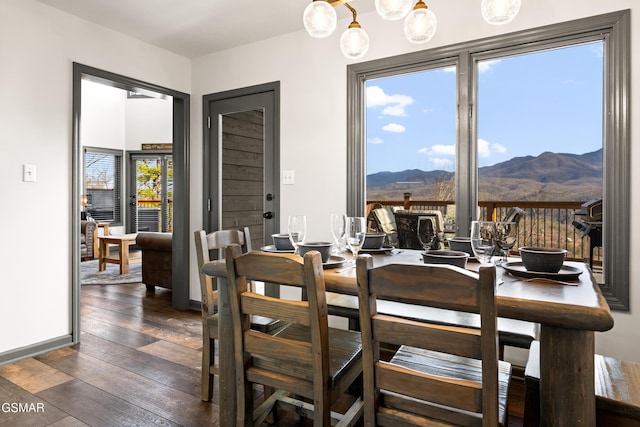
[420,25]
[354,43]
[497,12]
[319,19]
[392,10]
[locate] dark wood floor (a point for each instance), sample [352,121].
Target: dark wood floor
[138,364]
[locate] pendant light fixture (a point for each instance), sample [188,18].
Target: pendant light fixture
[319,19]
[392,10]
[420,24]
[354,42]
[498,12]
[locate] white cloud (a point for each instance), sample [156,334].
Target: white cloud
[439,150]
[486,65]
[394,110]
[375,140]
[449,150]
[444,164]
[394,104]
[449,70]
[485,148]
[394,127]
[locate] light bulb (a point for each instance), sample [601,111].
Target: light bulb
[497,12]
[354,43]
[392,10]
[319,19]
[420,25]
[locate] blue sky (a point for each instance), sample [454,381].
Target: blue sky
[527,104]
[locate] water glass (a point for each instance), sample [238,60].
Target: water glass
[426,233]
[297,229]
[338,224]
[355,232]
[483,240]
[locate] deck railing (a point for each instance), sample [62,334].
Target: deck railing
[546,224]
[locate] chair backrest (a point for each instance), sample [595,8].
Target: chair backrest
[205,243]
[407,226]
[299,363]
[513,215]
[444,287]
[386,223]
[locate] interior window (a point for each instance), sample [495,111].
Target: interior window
[101,199]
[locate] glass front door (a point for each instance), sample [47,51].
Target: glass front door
[150,193]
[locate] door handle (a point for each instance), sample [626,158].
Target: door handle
[268,215]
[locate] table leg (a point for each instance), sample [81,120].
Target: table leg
[226,379]
[102,265]
[124,257]
[567,385]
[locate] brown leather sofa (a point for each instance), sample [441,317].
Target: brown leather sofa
[156,259]
[88,239]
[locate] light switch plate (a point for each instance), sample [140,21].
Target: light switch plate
[288,177]
[29,173]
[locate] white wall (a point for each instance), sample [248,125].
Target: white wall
[313,123]
[148,121]
[38,45]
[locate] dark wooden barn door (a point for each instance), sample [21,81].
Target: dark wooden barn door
[242,172]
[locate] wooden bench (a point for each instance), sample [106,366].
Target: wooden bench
[617,389]
[513,333]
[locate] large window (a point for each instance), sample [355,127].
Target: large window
[593,122]
[102,197]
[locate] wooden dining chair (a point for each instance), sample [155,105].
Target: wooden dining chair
[307,358]
[440,374]
[205,243]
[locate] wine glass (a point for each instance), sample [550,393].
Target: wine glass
[355,232]
[338,222]
[426,233]
[506,237]
[297,228]
[483,240]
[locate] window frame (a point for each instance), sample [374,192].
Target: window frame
[613,29]
[117,179]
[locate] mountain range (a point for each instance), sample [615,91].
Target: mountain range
[549,176]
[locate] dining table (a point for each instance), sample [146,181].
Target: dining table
[569,314]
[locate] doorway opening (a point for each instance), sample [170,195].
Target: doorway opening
[180,179]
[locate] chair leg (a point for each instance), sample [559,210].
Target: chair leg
[208,359]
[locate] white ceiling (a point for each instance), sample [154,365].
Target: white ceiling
[194,28]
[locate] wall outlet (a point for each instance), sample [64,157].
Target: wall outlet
[288,177]
[29,173]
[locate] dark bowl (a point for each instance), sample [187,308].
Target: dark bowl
[462,244]
[282,242]
[323,247]
[544,260]
[457,258]
[373,240]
